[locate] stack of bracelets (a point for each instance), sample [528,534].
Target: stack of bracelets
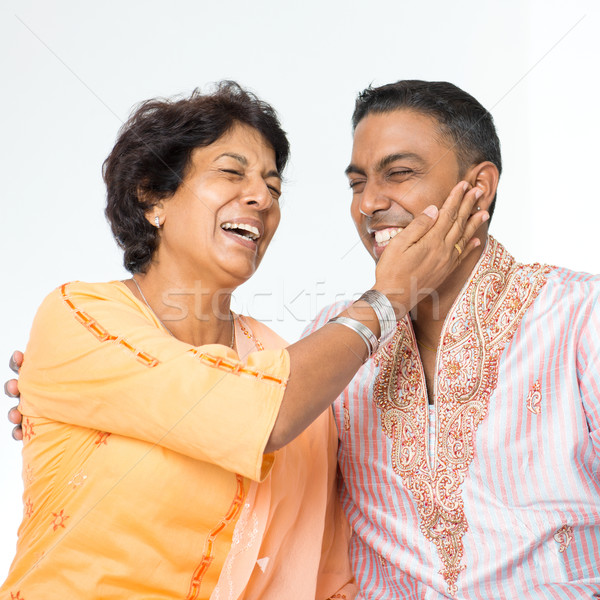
[385,314]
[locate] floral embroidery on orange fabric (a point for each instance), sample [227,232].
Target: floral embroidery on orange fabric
[208,555]
[59,520]
[78,479]
[16,596]
[563,537]
[28,431]
[235,368]
[102,438]
[102,334]
[481,322]
[28,475]
[28,507]
[534,399]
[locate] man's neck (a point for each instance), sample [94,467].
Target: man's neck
[429,315]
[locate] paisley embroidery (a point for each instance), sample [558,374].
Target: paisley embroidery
[482,321]
[563,537]
[346,418]
[534,399]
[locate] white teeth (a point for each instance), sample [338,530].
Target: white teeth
[253,231]
[385,235]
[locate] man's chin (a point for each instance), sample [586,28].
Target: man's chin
[372,253]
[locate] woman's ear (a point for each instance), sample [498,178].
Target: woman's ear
[155,217]
[484,176]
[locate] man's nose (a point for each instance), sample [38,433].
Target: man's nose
[372,199]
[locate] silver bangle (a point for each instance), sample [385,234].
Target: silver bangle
[368,337]
[385,313]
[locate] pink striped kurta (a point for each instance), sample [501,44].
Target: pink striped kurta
[507,502]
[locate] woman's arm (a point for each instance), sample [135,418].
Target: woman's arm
[419,258]
[95,359]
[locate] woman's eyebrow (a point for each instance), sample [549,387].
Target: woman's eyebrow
[273,173]
[239,157]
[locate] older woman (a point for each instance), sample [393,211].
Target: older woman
[173,449]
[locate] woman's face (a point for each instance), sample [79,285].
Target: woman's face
[219,223]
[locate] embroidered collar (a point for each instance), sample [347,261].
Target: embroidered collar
[481,322]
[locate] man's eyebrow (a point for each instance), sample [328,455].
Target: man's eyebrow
[244,162]
[392,158]
[386,161]
[354,169]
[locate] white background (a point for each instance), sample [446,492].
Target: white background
[70,72]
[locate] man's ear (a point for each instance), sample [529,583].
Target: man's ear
[484,176]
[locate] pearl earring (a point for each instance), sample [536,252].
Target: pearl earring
[157,222]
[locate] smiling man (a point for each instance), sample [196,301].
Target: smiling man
[470,445]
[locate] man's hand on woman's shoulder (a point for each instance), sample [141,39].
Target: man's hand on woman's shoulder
[11,389]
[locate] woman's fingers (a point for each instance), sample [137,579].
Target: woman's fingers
[468,248]
[413,232]
[447,223]
[465,241]
[464,213]
[450,210]
[459,220]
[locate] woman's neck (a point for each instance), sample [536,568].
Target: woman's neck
[193,311]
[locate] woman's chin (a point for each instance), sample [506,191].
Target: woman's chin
[237,272]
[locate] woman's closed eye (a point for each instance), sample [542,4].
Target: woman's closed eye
[275,192]
[233,172]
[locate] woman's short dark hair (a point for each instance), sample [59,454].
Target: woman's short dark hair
[153,151]
[467,125]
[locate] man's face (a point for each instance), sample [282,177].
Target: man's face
[400,165]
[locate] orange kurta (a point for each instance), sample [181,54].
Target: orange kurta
[139,452]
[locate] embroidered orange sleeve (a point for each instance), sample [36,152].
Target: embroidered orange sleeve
[95,359]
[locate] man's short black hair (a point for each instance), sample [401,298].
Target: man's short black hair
[462,120]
